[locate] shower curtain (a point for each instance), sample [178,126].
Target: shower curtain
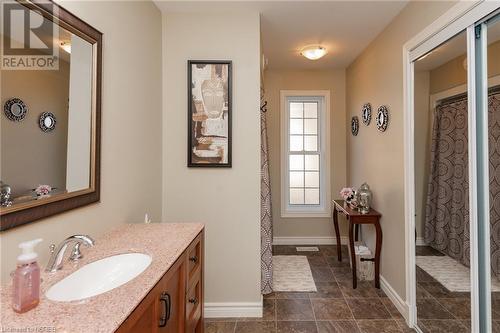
[266,222]
[447,209]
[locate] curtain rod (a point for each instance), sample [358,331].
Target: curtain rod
[463,96]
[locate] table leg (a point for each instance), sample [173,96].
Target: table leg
[378,248]
[356,232]
[337,233]
[353,255]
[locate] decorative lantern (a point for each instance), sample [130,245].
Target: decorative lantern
[364,195]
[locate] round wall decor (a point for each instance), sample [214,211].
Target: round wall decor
[15,109]
[366,114]
[47,121]
[382,118]
[354,125]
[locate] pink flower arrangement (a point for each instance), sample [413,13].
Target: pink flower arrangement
[348,193]
[42,190]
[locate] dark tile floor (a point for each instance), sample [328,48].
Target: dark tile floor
[440,310]
[334,308]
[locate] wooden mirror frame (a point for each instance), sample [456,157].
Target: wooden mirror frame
[31,211]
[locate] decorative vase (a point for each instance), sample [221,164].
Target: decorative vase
[364,198]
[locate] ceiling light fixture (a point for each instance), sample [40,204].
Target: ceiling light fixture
[313,52]
[66,46]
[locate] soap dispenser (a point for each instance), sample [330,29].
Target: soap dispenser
[26,278]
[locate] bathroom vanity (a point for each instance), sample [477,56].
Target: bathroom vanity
[167,296]
[175,304]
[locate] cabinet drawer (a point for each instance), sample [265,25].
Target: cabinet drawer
[194,304]
[194,257]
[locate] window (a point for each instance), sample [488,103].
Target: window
[305,159]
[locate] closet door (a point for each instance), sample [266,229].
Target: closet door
[487,71]
[442,219]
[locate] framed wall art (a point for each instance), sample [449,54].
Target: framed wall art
[354,125]
[209,113]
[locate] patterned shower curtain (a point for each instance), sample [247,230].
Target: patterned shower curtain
[447,210]
[266,222]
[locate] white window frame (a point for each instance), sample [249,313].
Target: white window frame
[324,208]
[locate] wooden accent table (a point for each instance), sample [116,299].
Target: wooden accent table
[355,218]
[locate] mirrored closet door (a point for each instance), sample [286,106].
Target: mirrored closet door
[488,34]
[442,188]
[456,179]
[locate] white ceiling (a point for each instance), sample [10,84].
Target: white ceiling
[345,28]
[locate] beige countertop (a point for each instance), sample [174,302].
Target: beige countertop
[164,242]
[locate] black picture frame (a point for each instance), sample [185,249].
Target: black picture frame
[193,126]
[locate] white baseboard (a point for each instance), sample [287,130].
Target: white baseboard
[420,241]
[309,240]
[233,310]
[395,298]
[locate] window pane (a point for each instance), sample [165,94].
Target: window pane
[311,143]
[296,143]
[310,126]
[312,179]
[310,110]
[311,196]
[296,110]
[296,126]
[296,179]
[312,162]
[296,162]
[296,196]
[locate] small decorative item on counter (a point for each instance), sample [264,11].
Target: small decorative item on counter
[349,196]
[26,278]
[364,197]
[43,191]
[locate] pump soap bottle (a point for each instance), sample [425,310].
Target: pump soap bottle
[26,278]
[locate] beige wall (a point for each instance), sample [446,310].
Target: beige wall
[376,76]
[30,156]
[453,73]
[423,131]
[334,81]
[131,103]
[227,200]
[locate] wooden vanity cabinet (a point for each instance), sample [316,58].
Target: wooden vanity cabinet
[175,304]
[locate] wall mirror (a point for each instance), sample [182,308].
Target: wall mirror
[50,136]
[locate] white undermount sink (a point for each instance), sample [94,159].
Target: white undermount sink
[99,277]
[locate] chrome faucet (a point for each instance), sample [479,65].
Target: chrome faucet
[57,254]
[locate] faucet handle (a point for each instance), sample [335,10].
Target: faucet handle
[76,254]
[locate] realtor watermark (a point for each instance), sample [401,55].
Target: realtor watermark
[28,39]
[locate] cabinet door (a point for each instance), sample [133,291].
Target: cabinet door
[194,296]
[144,318]
[171,306]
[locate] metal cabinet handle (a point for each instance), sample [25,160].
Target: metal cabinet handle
[165,298]
[193,300]
[193,259]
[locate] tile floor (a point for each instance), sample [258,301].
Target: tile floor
[335,307]
[440,310]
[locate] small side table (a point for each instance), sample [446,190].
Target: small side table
[355,218]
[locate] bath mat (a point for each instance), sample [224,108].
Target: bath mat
[450,273]
[292,273]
